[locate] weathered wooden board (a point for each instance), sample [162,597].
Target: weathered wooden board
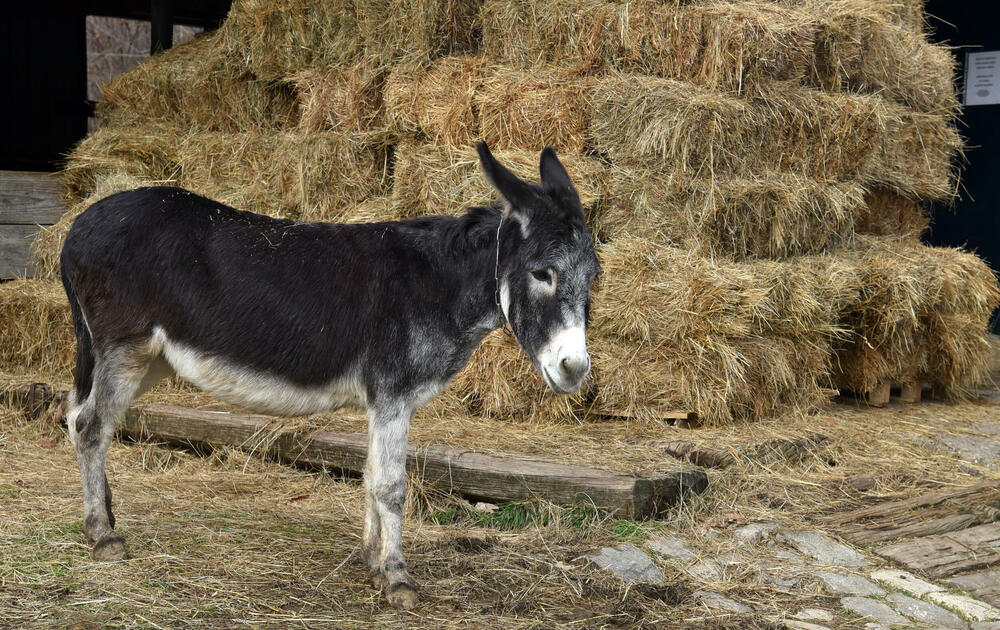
[985,585]
[476,475]
[15,251]
[28,198]
[931,513]
[947,554]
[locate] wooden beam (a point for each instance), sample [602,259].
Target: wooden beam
[475,475]
[15,251]
[937,512]
[947,554]
[28,198]
[161,18]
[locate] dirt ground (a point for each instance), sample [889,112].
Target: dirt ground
[226,539]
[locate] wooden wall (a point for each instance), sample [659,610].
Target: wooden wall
[28,201]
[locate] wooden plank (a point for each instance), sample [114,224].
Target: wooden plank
[914,526]
[476,475]
[931,513]
[980,493]
[985,585]
[15,251]
[947,554]
[28,198]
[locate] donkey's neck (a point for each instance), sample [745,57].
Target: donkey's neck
[469,242]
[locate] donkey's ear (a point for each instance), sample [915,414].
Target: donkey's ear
[555,179]
[515,192]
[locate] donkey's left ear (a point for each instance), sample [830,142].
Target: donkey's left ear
[554,178]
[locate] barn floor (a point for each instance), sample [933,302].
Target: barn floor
[226,539]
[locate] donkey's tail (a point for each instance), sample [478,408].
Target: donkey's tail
[83,375]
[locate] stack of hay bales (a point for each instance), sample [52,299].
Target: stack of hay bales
[756,174]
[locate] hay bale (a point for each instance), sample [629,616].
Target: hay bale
[888,213]
[459,100]
[279,38]
[641,121]
[861,48]
[195,85]
[921,314]
[723,381]
[37,333]
[916,156]
[726,45]
[436,103]
[432,179]
[293,174]
[148,153]
[770,215]
[341,98]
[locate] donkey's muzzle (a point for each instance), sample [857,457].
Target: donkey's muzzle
[573,369]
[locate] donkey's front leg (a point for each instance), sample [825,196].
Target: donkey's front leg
[385,470]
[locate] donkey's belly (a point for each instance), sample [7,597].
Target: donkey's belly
[256,390]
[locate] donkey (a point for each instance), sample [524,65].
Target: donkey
[293,318]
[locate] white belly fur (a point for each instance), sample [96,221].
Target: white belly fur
[253,389]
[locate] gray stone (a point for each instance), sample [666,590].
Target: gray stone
[989,428]
[966,607]
[709,570]
[790,557]
[628,562]
[719,602]
[871,625]
[986,625]
[819,548]
[772,574]
[672,548]
[875,610]
[802,625]
[925,612]
[814,614]
[755,533]
[903,581]
[979,450]
[846,584]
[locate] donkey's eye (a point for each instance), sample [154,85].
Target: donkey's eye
[542,275]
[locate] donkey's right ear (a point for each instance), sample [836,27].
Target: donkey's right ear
[515,192]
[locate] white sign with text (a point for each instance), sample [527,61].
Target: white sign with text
[982,78]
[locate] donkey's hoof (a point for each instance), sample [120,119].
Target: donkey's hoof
[377,579]
[110,548]
[402,596]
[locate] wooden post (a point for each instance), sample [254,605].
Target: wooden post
[910,392]
[27,200]
[161,36]
[879,397]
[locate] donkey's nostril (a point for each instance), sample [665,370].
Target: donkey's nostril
[574,368]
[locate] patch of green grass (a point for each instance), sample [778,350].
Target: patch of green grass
[511,516]
[629,530]
[444,517]
[9,491]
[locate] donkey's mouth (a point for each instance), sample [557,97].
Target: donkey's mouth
[551,382]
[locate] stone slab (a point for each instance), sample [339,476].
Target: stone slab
[755,533]
[904,581]
[848,584]
[822,549]
[628,562]
[925,612]
[875,610]
[965,607]
[720,602]
[672,548]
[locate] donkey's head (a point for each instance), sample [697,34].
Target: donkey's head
[546,264]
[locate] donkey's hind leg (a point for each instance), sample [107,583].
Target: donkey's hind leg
[118,373]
